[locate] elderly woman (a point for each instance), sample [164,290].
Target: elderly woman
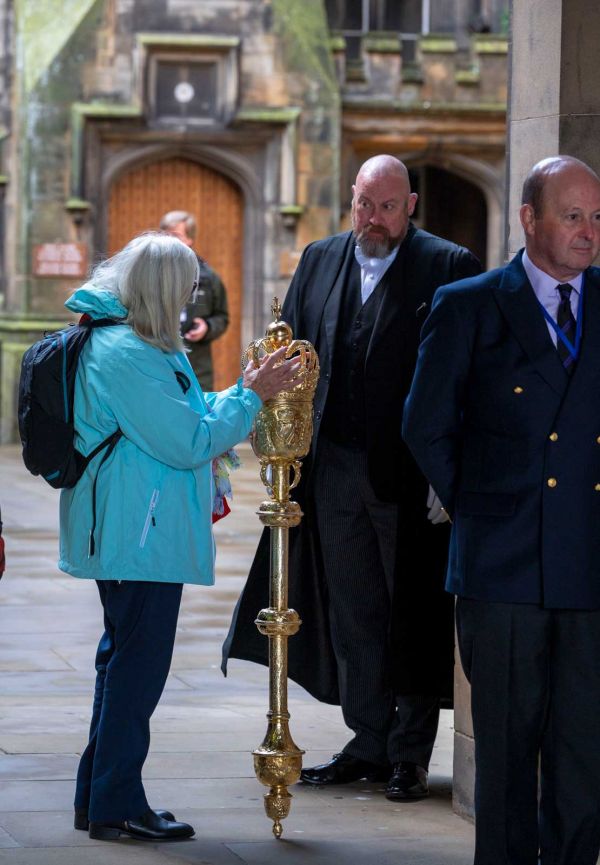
[139,521]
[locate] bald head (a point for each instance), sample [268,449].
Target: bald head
[543,171]
[383,165]
[382,204]
[560,216]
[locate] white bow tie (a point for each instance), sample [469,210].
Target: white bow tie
[367,263]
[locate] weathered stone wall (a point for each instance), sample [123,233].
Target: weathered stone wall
[6,77]
[555,101]
[443,72]
[301,117]
[54,47]
[81,96]
[284,61]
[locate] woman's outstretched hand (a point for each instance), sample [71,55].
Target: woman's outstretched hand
[267,379]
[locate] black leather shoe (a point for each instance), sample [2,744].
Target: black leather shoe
[408,782]
[343,769]
[81,817]
[149,827]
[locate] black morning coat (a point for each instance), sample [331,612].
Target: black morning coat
[513,445]
[422,614]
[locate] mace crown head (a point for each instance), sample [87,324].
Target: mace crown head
[278,332]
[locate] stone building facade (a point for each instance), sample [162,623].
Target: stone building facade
[254,114]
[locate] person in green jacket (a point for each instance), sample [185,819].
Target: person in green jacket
[205,316]
[148,507]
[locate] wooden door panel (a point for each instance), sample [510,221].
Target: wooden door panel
[139,198]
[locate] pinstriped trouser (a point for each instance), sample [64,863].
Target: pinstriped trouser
[357,533]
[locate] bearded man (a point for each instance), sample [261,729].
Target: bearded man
[377,633]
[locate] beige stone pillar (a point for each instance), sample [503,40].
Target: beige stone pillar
[554,90]
[554,107]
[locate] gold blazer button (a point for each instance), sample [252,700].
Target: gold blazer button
[597,488]
[517,389]
[552,482]
[553,437]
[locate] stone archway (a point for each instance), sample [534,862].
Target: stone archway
[139,196]
[489,179]
[451,207]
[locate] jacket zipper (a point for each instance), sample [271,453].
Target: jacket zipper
[149,517]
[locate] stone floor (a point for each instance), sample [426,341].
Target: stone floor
[203,731]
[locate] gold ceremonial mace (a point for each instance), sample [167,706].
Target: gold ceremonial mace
[280,438]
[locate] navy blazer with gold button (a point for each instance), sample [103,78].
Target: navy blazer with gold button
[510,442]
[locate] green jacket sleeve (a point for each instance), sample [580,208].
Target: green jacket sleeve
[218,320]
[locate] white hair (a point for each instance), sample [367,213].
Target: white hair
[153,277]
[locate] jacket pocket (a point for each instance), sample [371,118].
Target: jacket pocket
[150,519]
[486,504]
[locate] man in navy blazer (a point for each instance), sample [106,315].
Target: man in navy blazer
[504,420]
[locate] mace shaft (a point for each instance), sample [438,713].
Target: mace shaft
[281,438]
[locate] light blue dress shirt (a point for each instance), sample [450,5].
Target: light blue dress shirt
[372,271]
[546,291]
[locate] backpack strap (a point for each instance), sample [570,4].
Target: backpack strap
[109,443]
[87,321]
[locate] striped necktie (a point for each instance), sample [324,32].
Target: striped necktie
[566,322]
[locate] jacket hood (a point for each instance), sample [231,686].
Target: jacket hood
[96,302]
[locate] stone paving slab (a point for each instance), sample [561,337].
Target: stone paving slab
[203,731]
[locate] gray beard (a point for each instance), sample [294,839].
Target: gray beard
[375,248]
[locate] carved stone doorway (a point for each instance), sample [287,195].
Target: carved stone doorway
[140,196]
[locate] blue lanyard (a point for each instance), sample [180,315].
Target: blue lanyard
[572,349]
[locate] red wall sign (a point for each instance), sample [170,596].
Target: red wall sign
[60,259]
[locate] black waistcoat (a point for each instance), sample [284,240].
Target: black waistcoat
[344,416]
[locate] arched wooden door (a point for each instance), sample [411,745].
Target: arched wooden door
[140,197]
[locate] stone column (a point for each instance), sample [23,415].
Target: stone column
[554,107]
[554,93]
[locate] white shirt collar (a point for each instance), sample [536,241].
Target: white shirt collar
[374,264]
[543,284]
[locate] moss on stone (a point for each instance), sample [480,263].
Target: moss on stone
[191,40]
[467,76]
[302,27]
[337,43]
[437,44]
[395,106]
[267,114]
[43,29]
[14,325]
[381,43]
[490,44]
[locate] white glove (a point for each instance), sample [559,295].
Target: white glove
[436,514]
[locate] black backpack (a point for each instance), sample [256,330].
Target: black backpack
[46,393]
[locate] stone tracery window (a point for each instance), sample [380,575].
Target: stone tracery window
[364,16]
[409,18]
[354,19]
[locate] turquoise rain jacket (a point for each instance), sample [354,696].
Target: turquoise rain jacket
[154,493]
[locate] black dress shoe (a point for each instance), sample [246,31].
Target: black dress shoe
[81,817]
[148,827]
[408,782]
[343,769]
